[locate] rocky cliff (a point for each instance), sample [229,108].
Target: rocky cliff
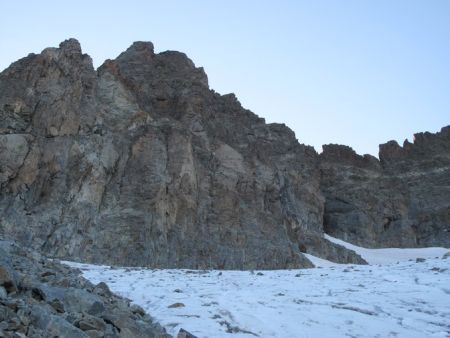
[401,200]
[140,163]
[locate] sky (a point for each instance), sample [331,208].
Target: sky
[354,72]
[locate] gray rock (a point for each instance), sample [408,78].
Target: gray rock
[40,316]
[59,327]
[57,305]
[7,275]
[401,200]
[185,334]
[41,307]
[140,164]
[94,334]
[97,308]
[18,335]
[3,293]
[102,289]
[78,300]
[127,325]
[137,310]
[91,323]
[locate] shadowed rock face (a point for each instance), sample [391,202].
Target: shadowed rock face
[403,200]
[140,163]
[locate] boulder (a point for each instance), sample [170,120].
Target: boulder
[7,274]
[40,307]
[185,334]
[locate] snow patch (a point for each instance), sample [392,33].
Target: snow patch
[406,299]
[390,255]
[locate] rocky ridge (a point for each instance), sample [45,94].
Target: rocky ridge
[140,163]
[401,200]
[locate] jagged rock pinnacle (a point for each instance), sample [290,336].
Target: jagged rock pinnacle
[139,50]
[70,46]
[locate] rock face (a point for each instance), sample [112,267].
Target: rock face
[140,163]
[401,200]
[42,298]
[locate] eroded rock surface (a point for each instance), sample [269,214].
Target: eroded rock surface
[140,163]
[401,200]
[41,298]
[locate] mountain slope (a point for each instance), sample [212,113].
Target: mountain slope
[400,298]
[140,163]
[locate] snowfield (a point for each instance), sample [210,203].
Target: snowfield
[395,296]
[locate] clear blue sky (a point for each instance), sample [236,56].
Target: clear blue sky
[354,72]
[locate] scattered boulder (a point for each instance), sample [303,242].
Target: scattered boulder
[185,334]
[90,323]
[40,306]
[102,289]
[94,334]
[7,274]
[96,308]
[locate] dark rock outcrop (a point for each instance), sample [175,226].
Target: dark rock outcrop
[401,200]
[140,163]
[53,300]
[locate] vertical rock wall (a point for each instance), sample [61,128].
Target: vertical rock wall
[140,163]
[401,200]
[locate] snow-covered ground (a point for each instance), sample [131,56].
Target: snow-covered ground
[395,296]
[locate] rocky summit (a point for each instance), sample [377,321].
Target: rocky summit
[140,163]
